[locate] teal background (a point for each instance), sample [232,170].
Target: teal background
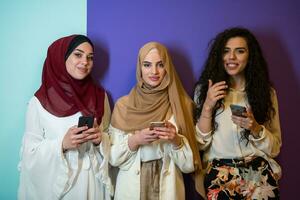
[27,28]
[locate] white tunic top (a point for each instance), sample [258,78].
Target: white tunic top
[129,164]
[48,173]
[226,141]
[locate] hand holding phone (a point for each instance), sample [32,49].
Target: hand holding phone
[156,124]
[238,110]
[86,121]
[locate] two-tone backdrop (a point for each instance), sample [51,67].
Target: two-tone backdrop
[119,29]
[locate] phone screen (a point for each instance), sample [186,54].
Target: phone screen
[86,121]
[238,110]
[156,124]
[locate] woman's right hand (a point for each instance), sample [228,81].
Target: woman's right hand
[142,137]
[215,92]
[73,138]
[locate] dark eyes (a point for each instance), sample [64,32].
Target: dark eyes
[161,65]
[146,64]
[239,51]
[79,55]
[226,51]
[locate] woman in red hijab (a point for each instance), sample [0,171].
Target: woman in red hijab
[58,159]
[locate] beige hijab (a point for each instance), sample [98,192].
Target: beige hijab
[144,105]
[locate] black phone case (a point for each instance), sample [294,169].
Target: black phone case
[86,120]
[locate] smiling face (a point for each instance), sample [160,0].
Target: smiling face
[235,56]
[153,70]
[80,62]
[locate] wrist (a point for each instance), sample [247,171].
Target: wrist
[256,132]
[178,143]
[63,148]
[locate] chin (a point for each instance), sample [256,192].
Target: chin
[80,77]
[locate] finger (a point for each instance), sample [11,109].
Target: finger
[220,97]
[92,130]
[93,137]
[219,84]
[163,137]
[79,130]
[80,136]
[161,129]
[161,133]
[95,123]
[249,112]
[170,126]
[220,92]
[210,83]
[152,136]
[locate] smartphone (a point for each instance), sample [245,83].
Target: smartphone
[157,124]
[238,110]
[86,121]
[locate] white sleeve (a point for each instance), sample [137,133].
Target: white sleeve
[182,156]
[121,156]
[41,159]
[270,139]
[204,139]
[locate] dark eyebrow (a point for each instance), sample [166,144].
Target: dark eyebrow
[83,51]
[238,48]
[244,48]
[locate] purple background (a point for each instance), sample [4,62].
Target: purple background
[120,28]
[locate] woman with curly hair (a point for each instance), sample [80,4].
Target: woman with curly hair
[237,120]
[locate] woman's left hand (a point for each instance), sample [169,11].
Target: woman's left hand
[94,134]
[168,133]
[247,122]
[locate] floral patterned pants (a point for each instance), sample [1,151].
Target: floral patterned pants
[236,179]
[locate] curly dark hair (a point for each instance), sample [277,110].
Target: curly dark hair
[258,86]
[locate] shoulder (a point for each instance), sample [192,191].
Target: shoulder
[34,102]
[122,100]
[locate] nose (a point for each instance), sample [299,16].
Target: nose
[154,70]
[84,60]
[232,55]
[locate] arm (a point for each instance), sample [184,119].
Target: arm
[215,92]
[42,158]
[183,156]
[269,140]
[179,149]
[204,139]
[120,155]
[204,124]
[36,148]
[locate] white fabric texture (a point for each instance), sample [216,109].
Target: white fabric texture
[48,173]
[226,141]
[129,164]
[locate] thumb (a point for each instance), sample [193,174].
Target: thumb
[249,110]
[95,123]
[210,83]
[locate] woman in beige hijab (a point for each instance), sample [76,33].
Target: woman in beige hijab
[151,160]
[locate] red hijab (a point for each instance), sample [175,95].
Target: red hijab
[62,95]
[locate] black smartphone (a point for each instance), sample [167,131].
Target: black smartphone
[156,124]
[238,110]
[86,121]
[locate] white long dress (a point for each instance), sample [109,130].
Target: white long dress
[129,163]
[48,173]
